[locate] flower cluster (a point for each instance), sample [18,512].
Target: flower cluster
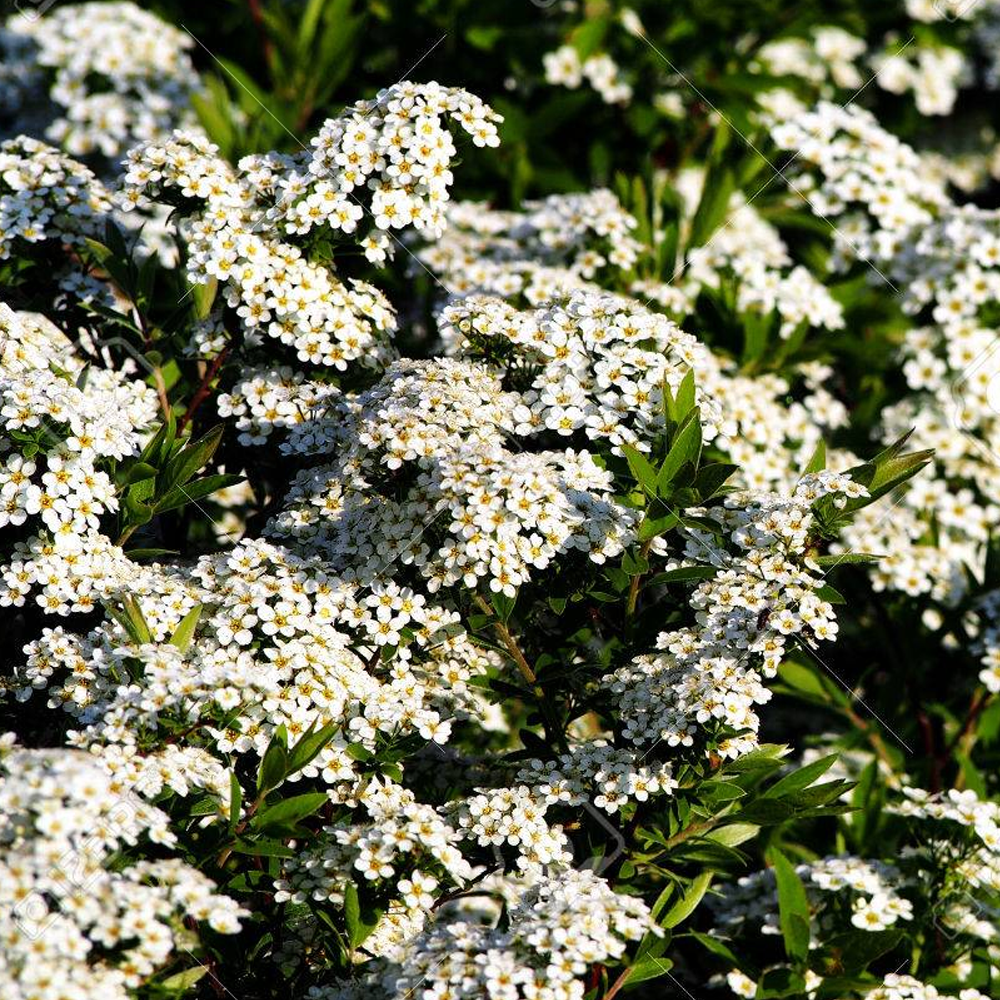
[870,187]
[750,252]
[386,160]
[564,67]
[71,922]
[871,887]
[114,73]
[597,771]
[705,680]
[45,195]
[601,362]
[60,423]
[286,644]
[551,247]
[562,924]
[420,464]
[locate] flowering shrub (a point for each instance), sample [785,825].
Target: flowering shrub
[414,589]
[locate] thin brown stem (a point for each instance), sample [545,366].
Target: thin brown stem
[204,388]
[267,47]
[507,638]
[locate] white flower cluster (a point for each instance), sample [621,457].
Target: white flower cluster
[962,807]
[601,362]
[900,987]
[873,886]
[284,644]
[388,159]
[421,464]
[563,923]
[749,251]
[596,771]
[564,67]
[871,186]
[706,679]
[59,422]
[551,247]
[273,286]
[934,73]
[114,73]
[399,836]
[45,195]
[514,816]
[828,57]
[544,255]
[71,923]
[988,641]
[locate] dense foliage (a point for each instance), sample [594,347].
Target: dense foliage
[527,535]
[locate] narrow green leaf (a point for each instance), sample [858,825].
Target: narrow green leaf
[802,778]
[793,907]
[184,632]
[685,906]
[642,470]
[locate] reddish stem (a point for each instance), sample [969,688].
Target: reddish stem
[203,389]
[257,13]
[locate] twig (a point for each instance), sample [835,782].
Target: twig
[509,641]
[204,388]
[257,14]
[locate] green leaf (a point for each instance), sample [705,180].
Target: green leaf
[646,969]
[274,765]
[849,558]
[361,920]
[137,554]
[685,906]
[793,907]
[200,488]
[733,834]
[855,950]
[634,564]
[235,802]
[818,461]
[642,471]
[311,743]
[766,812]
[183,980]
[189,460]
[685,573]
[289,811]
[262,847]
[830,594]
[802,778]
[184,632]
[133,621]
[780,982]
[711,478]
[720,183]
[138,471]
[717,947]
[503,606]
[686,447]
[802,679]
[767,756]
[716,791]
[685,398]
[203,297]
[654,527]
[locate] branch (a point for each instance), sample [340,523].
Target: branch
[204,388]
[509,641]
